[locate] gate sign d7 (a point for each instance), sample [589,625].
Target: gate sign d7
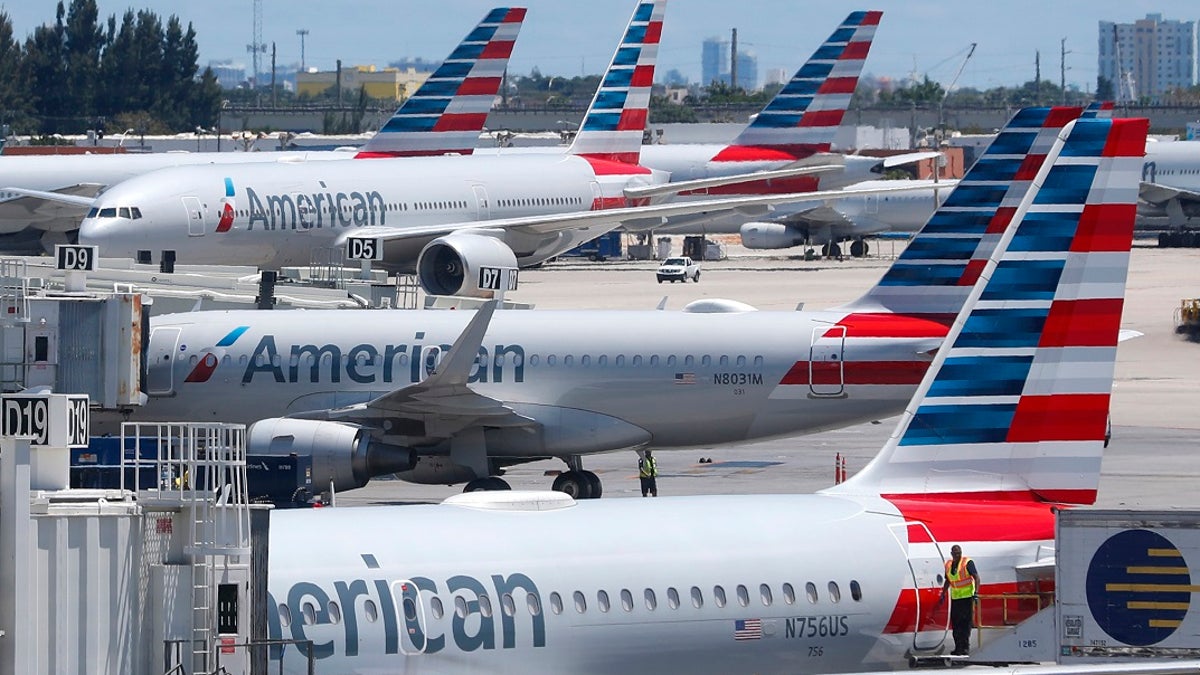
[491,278]
[55,420]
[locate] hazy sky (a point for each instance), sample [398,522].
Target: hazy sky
[567,37]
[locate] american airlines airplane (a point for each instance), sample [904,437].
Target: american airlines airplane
[43,199]
[1007,425]
[1171,182]
[454,396]
[444,218]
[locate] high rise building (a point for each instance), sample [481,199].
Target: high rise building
[1149,57]
[714,61]
[714,65]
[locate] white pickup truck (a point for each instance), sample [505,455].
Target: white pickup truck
[680,268]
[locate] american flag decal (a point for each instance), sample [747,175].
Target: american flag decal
[747,629]
[685,378]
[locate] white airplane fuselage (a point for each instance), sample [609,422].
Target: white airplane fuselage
[803,583]
[279,213]
[633,376]
[55,172]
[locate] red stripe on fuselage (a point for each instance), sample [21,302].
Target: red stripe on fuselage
[892,325]
[615,163]
[413,153]
[992,611]
[856,373]
[952,517]
[768,153]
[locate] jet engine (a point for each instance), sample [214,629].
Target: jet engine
[450,265]
[770,236]
[343,454]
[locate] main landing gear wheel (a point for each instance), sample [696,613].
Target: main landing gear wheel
[859,248]
[831,251]
[579,484]
[489,483]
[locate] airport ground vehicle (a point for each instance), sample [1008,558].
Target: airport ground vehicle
[679,268]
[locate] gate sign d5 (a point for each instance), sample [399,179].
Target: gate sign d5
[55,420]
[364,248]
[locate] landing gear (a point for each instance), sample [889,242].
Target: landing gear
[488,483]
[579,484]
[859,248]
[831,250]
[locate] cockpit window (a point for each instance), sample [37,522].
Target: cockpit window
[137,213]
[92,212]
[109,212]
[123,212]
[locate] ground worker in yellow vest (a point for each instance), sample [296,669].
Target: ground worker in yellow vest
[962,582]
[648,473]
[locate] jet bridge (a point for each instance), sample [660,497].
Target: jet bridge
[65,339]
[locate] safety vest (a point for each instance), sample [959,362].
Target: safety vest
[648,467]
[962,584]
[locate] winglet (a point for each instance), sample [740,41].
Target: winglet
[455,367]
[1014,406]
[448,111]
[615,121]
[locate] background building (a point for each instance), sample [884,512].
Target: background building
[714,65]
[1155,56]
[390,84]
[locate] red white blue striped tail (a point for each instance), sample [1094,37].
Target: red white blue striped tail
[1101,109]
[936,271]
[613,125]
[448,111]
[1015,405]
[805,115]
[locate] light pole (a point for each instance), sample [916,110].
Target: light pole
[302,32]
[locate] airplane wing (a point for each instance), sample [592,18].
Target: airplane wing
[1156,193]
[59,210]
[441,405]
[909,158]
[632,218]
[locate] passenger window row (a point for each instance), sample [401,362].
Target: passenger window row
[604,603]
[552,360]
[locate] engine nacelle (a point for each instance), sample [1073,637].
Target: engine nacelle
[770,236]
[341,453]
[450,265]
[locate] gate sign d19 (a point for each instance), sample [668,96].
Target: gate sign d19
[364,248]
[490,278]
[71,257]
[56,420]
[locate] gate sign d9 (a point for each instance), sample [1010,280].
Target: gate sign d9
[490,278]
[364,248]
[56,420]
[70,257]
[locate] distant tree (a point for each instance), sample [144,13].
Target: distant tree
[119,68]
[1104,89]
[44,72]
[82,42]
[14,104]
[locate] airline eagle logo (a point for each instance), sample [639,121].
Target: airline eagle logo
[228,207]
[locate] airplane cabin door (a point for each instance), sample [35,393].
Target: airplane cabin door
[414,635]
[160,361]
[926,563]
[195,216]
[483,210]
[826,370]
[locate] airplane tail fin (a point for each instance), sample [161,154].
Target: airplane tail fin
[804,116]
[1100,109]
[614,123]
[936,271]
[1015,404]
[448,110]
